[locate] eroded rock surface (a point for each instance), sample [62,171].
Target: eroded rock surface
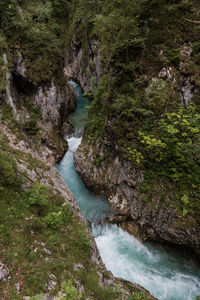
[4,272]
[115,178]
[90,73]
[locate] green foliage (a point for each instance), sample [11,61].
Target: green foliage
[38,198]
[134,155]
[69,291]
[92,284]
[33,221]
[91,93]
[56,219]
[112,26]
[8,171]
[7,10]
[184,199]
[30,126]
[166,147]
[138,295]
[135,108]
[31,25]
[7,117]
[38,297]
[152,144]
[38,201]
[98,161]
[144,187]
[158,95]
[143,117]
[173,54]
[185,202]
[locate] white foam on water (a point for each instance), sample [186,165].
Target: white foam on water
[129,259]
[73,143]
[94,208]
[166,276]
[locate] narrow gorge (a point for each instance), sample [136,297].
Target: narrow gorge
[106,94]
[164,272]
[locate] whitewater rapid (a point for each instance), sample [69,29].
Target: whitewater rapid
[168,276]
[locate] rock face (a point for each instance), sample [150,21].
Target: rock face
[115,178]
[8,97]
[4,272]
[55,102]
[188,89]
[55,105]
[51,177]
[86,75]
[104,171]
[183,82]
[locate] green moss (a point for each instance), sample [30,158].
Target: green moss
[143,117]
[8,170]
[32,221]
[41,235]
[8,118]
[31,28]
[37,212]
[30,126]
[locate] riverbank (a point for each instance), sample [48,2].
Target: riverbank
[168,276]
[46,245]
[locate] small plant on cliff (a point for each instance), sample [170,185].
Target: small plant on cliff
[68,292]
[8,171]
[30,126]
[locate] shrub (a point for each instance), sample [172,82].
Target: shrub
[31,126]
[68,292]
[8,170]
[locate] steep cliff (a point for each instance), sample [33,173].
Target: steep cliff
[41,110]
[87,73]
[46,245]
[155,218]
[32,80]
[141,142]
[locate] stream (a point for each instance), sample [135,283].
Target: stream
[168,275]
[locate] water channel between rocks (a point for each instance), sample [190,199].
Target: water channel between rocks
[168,276]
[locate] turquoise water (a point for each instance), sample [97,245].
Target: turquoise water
[167,276]
[92,210]
[79,116]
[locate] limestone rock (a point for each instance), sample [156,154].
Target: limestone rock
[52,282]
[74,68]
[9,97]
[116,179]
[4,272]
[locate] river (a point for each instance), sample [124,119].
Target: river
[168,275]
